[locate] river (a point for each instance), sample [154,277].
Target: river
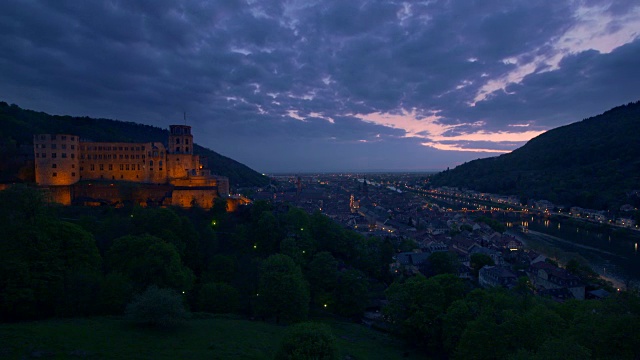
[611,252]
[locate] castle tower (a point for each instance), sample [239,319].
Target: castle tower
[56,159]
[180,159]
[180,140]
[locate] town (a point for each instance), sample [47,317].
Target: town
[423,222]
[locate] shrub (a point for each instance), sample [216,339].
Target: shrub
[157,308]
[308,341]
[218,298]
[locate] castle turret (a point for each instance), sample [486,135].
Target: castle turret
[180,140]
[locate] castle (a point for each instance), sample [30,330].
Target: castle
[74,170]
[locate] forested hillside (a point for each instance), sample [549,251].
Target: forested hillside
[18,125]
[594,163]
[146,267]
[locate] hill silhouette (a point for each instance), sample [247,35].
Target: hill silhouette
[594,163]
[18,125]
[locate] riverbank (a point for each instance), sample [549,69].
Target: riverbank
[549,246]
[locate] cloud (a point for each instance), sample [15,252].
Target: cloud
[321,76]
[458,137]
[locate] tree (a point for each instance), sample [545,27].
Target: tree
[147,260]
[266,234]
[478,261]
[47,266]
[415,308]
[219,298]
[116,291]
[157,308]
[308,341]
[322,273]
[350,295]
[283,292]
[443,262]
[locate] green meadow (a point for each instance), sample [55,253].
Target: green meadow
[203,337]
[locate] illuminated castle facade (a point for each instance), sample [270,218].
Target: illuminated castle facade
[63,160]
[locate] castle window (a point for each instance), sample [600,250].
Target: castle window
[64,137]
[121,167]
[142,148]
[150,162]
[160,163]
[177,149]
[54,155]
[126,148]
[64,155]
[42,137]
[143,156]
[53,137]
[53,146]
[54,174]
[73,174]
[121,156]
[178,141]
[126,156]
[81,168]
[64,146]
[37,146]
[73,166]
[92,167]
[53,166]
[110,166]
[101,167]
[37,155]
[137,156]
[73,138]
[186,149]
[81,156]
[73,147]
[73,155]
[186,141]
[138,166]
[44,146]
[127,166]
[44,155]
[120,148]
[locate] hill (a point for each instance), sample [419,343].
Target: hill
[594,163]
[18,125]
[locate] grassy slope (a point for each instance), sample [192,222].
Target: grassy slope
[218,337]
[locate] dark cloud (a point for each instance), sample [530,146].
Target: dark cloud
[240,69]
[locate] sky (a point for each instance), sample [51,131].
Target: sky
[327,85]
